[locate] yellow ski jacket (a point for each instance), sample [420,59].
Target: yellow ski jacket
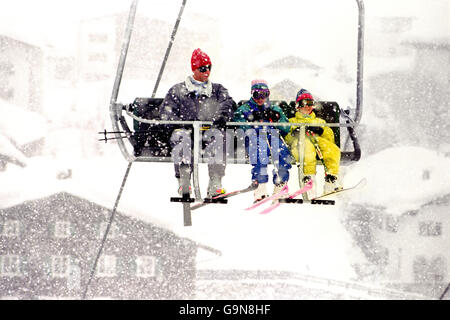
[330,151]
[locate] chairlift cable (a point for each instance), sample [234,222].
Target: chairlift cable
[169,47]
[111,218]
[445,292]
[113,102]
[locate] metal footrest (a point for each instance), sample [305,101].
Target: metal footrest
[300,201]
[182,199]
[219,200]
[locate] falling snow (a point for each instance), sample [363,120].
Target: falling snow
[58,184]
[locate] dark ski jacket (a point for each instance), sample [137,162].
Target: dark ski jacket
[246,113]
[183,103]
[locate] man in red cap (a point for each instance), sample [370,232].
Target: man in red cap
[197,98]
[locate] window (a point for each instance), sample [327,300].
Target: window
[98,37]
[391,223]
[60,266]
[62,229]
[106,266]
[10,265]
[97,57]
[95,76]
[438,269]
[377,221]
[429,271]
[145,266]
[430,228]
[382,256]
[396,24]
[7,72]
[63,69]
[11,228]
[112,233]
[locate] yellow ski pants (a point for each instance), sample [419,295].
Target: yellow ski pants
[330,152]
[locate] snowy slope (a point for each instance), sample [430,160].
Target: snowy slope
[22,126]
[301,238]
[36,180]
[9,152]
[18,127]
[401,179]
[293,238]
[304,239]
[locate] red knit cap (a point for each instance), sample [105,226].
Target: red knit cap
[303,94]
[199,59]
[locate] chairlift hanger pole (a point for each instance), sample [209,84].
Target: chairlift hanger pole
[123,54]
[115,116]
[360,62]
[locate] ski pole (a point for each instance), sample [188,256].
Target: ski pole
[127,134]
[312,137]
[113,132]
[113,138]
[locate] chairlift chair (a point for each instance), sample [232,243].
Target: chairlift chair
[149,142]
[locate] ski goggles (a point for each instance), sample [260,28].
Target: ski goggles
[260,94]
[204,68]
[305,102]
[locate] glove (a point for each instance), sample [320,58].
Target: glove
[220,123]
[257,116]
[316,130]
[271,115]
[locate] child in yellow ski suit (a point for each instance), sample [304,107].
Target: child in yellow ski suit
[325,139]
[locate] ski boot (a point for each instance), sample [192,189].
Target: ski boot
[215,187]
[311,194]
[260,192]
[277,189]
[331,184]
[184,181]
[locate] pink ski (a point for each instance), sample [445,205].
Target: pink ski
[272,197]
[308,186]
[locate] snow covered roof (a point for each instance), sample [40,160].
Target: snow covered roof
[400,179]
[9,152]
[437,43]
[292,62]
[21,125]
[32,39]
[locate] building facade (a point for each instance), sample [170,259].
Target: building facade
[408,252]
[21,73]
[48,248]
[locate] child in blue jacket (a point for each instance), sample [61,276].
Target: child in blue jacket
[265,141]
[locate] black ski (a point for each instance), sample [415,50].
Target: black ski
[313,201]
[221,198]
